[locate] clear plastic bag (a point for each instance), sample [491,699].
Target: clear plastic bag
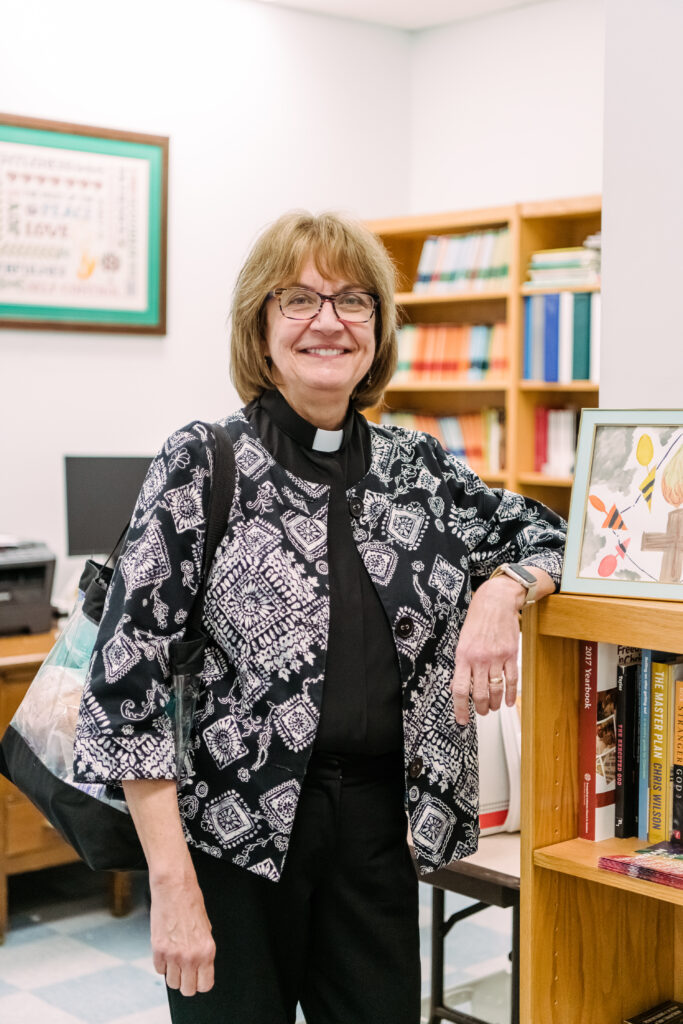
[47,716]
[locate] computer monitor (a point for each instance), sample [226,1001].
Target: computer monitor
[101,492]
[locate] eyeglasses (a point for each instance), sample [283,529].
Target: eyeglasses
[303,304]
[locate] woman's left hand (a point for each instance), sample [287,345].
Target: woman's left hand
[486,655]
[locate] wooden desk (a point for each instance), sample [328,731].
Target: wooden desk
[490,876]
[27,841]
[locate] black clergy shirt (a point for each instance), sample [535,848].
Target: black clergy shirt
[361,706]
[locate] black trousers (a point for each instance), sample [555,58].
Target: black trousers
[339,932]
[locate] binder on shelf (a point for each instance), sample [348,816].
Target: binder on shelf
[551,339]
[595,328]
[582,334]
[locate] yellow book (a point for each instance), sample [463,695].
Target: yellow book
[659,705]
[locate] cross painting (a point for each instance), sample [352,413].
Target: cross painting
[626,519]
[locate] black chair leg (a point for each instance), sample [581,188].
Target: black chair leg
[438,939]
[514,1000]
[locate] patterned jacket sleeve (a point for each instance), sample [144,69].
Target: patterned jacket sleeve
[124,731]
[500,526]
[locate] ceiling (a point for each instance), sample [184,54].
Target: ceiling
[405,14]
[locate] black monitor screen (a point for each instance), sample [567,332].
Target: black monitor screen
[100,497]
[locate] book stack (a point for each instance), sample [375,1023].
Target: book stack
[555,435]
[631,743]
[452,352]
[662,863]
[562,337]
[474,262]
[478,438]
[574,267]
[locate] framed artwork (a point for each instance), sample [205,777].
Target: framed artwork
[83,224]
[626,516]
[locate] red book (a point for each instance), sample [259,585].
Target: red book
[540,438]
[597,739]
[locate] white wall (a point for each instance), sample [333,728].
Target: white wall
[453,121]
[508,107]
[222,78]
[642,348]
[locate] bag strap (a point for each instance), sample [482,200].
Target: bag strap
[222,494]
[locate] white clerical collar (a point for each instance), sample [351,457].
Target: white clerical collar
[327,440]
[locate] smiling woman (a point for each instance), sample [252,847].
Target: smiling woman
[326,254]
[358,610]
[317,362]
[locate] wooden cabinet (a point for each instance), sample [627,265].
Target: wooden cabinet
[596,946]
[531,226]
[27,840]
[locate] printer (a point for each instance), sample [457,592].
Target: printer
[27,569]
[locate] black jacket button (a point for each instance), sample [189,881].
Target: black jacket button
[356,507]
[415,767]
[405,627]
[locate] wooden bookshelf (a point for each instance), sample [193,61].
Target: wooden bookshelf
[596,946]
[547,224]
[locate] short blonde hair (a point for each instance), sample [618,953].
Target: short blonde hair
[339,247]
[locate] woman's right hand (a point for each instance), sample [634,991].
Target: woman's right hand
[182,945]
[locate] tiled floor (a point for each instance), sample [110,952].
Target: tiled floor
[67,961]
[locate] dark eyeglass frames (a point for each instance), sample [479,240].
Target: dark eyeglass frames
[356,307]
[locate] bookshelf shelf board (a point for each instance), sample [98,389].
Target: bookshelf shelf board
[530,289]
[419,225]
[579,858]
[639,623]
[425,299]
[574,206]
[544,480]
[494,479]
[448,386]
[573,387]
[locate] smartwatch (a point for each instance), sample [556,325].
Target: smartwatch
[522,575]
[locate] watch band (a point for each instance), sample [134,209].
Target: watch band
[521,575]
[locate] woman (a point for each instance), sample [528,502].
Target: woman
[333,707]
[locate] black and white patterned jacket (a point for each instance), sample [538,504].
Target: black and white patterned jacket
[427,529]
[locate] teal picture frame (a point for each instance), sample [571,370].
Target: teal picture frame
[83,228]
[625,536]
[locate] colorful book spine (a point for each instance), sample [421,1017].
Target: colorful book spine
[644,743]
[677,767]
[656,832]
[651,867]
[540,438]
[582,334]
[595,329]
[537,347]
[675,675]
[566,338]
[551,337]
[626,796]
[526,370]
[597,739]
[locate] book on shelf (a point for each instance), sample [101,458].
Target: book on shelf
[677,764]
[644,742]
[661,863]
[597,739]
[452,352]
[631,724]
[555,440]
[562,337]
[478,437]
[477,261]
[626,788]
[665,674]
[669,1012]
[561,268]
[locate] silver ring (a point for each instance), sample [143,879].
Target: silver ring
[495,679]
